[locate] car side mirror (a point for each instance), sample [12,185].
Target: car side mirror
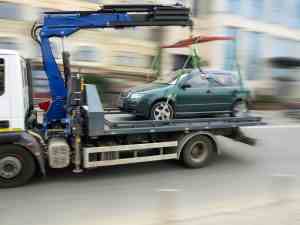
[185,86]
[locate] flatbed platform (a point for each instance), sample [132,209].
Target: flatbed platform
[147,140]
[121,124]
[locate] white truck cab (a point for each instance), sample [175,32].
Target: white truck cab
[14,97]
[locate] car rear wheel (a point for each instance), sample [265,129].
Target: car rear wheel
[240,109]
[162,111]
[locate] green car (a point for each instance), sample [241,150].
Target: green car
[194,93]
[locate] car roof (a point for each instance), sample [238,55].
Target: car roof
[215,71]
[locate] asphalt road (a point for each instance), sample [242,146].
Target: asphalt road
[245,185]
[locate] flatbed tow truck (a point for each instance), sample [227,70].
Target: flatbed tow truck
[73,130]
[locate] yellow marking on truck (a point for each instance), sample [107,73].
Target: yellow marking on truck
[2,130]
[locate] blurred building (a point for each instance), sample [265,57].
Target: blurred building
[117,54]
[263,29]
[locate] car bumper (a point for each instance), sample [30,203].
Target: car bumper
[137,108]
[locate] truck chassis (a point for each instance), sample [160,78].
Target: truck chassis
[192,141]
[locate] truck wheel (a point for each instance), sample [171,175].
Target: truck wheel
[198,152]
[162,111]
[17,166]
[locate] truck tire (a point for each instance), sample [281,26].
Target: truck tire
[198,152]
[17,166]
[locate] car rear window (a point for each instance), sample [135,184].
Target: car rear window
[226,79]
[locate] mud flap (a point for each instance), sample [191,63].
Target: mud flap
[238,135]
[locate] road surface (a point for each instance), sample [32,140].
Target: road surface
[245,185]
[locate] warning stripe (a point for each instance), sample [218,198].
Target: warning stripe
[2,130]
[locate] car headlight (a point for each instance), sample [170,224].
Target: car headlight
[136,96]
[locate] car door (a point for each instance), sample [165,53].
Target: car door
[192,95]
[223,91]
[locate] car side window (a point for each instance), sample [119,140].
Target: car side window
[215,81]
[197,81]
[2,77]
[223,80]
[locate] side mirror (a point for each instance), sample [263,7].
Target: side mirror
[185,86]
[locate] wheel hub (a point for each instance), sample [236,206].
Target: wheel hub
[162,112]
[198,151]
[10,167]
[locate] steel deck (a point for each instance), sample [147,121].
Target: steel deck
[130,125]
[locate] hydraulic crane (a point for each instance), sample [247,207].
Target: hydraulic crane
[64,24]
[66,91]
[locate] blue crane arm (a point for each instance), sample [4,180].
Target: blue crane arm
[64,24]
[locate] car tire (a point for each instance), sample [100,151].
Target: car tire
[162,110]
[240,109]
[17,166]
[198,152]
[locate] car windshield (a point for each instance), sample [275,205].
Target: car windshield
[174,81]
[221,78]
[172,77]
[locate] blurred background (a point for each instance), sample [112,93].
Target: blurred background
[244,184]
[118,59]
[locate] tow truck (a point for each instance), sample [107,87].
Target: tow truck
[73,131]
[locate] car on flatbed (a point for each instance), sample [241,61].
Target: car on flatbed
[193,93]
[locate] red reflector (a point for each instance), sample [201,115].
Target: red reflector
[44,105]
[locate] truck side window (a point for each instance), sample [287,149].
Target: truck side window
[2,76]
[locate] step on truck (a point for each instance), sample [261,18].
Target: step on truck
[73,130]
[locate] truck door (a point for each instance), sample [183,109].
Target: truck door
[4,95]
[25,86]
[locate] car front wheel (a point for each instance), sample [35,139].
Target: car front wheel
[162,111]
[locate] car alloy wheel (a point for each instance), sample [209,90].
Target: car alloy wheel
[162,111]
